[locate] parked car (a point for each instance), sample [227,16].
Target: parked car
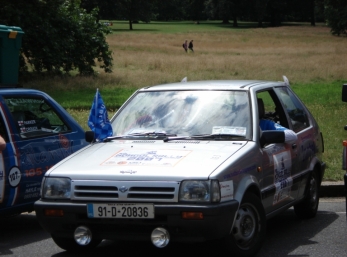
[188,162]
[38,134]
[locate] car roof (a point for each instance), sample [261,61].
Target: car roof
[18,91]
[214,84]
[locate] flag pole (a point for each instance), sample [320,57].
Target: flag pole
[96,106]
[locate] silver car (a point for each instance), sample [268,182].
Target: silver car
[188,162]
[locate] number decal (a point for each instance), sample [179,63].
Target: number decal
[14,176]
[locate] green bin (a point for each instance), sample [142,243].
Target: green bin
[10,44]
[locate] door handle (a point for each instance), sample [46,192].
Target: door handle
[294,146]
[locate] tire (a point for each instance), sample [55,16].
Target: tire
[308,207]
[249,229]
[69,244]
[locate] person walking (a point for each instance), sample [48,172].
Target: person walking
[191,46]
[185,46]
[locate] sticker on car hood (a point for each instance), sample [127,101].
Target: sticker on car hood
[146,158]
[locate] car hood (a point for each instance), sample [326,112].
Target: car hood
[146,160]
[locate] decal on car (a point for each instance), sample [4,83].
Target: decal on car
[229,130]
[142,157]
[282,175]
[226,190]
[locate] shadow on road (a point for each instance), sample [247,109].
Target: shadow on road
[285,233]
[18,231]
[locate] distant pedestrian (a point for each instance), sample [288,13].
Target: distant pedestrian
[185,45]
[191,46]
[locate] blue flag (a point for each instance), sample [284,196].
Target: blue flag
[98,120]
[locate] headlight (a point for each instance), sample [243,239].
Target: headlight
[56,188]
[199,190]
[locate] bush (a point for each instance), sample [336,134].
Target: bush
[59,36]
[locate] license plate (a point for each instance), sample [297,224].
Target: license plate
[120,210]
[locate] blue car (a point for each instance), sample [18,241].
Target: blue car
[38,133]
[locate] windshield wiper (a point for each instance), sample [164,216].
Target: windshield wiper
[108,139]
[144,134]
[206,136]
[152,134]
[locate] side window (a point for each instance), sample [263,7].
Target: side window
[272,108]
[34,117]
[294,108]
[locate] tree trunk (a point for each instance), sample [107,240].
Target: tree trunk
[235,22]
[313,16]
[130,24]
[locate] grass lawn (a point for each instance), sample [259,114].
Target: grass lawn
[313,60]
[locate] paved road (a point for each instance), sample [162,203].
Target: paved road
[287,235]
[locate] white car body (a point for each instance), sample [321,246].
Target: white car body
[188,162]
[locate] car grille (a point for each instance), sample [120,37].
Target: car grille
[125,191]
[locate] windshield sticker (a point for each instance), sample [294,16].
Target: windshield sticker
[20,101]
[143,158]
[282,176]
[229,130]
[226,190]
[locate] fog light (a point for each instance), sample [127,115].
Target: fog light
[83,235]
[160,237]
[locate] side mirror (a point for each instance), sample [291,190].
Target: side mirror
[271,137]
[89,136]
[344,93]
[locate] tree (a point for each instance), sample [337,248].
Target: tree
[260,11]
[224,10]
[59,36]
[134,10]
[196,9]
[171,10]
[106,8]
[336,16]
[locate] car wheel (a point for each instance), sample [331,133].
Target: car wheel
[69,244]
[308,207]
[249,228]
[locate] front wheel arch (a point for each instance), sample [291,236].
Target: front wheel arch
[249,228]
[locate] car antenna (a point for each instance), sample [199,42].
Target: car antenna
[184,79]
[286,81]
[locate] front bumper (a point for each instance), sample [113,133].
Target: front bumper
[217,222]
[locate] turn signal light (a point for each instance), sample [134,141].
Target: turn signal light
[54,213]
[192,215]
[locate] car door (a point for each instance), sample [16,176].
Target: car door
[280,182]
[38,136]
[299,120]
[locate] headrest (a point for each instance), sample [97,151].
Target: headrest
[261,108]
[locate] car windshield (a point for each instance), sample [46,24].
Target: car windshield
[185,113]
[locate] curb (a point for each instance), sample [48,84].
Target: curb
[332,189]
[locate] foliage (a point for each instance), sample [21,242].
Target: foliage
[59,36]
[171,10]
[134,10]
[336,16]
